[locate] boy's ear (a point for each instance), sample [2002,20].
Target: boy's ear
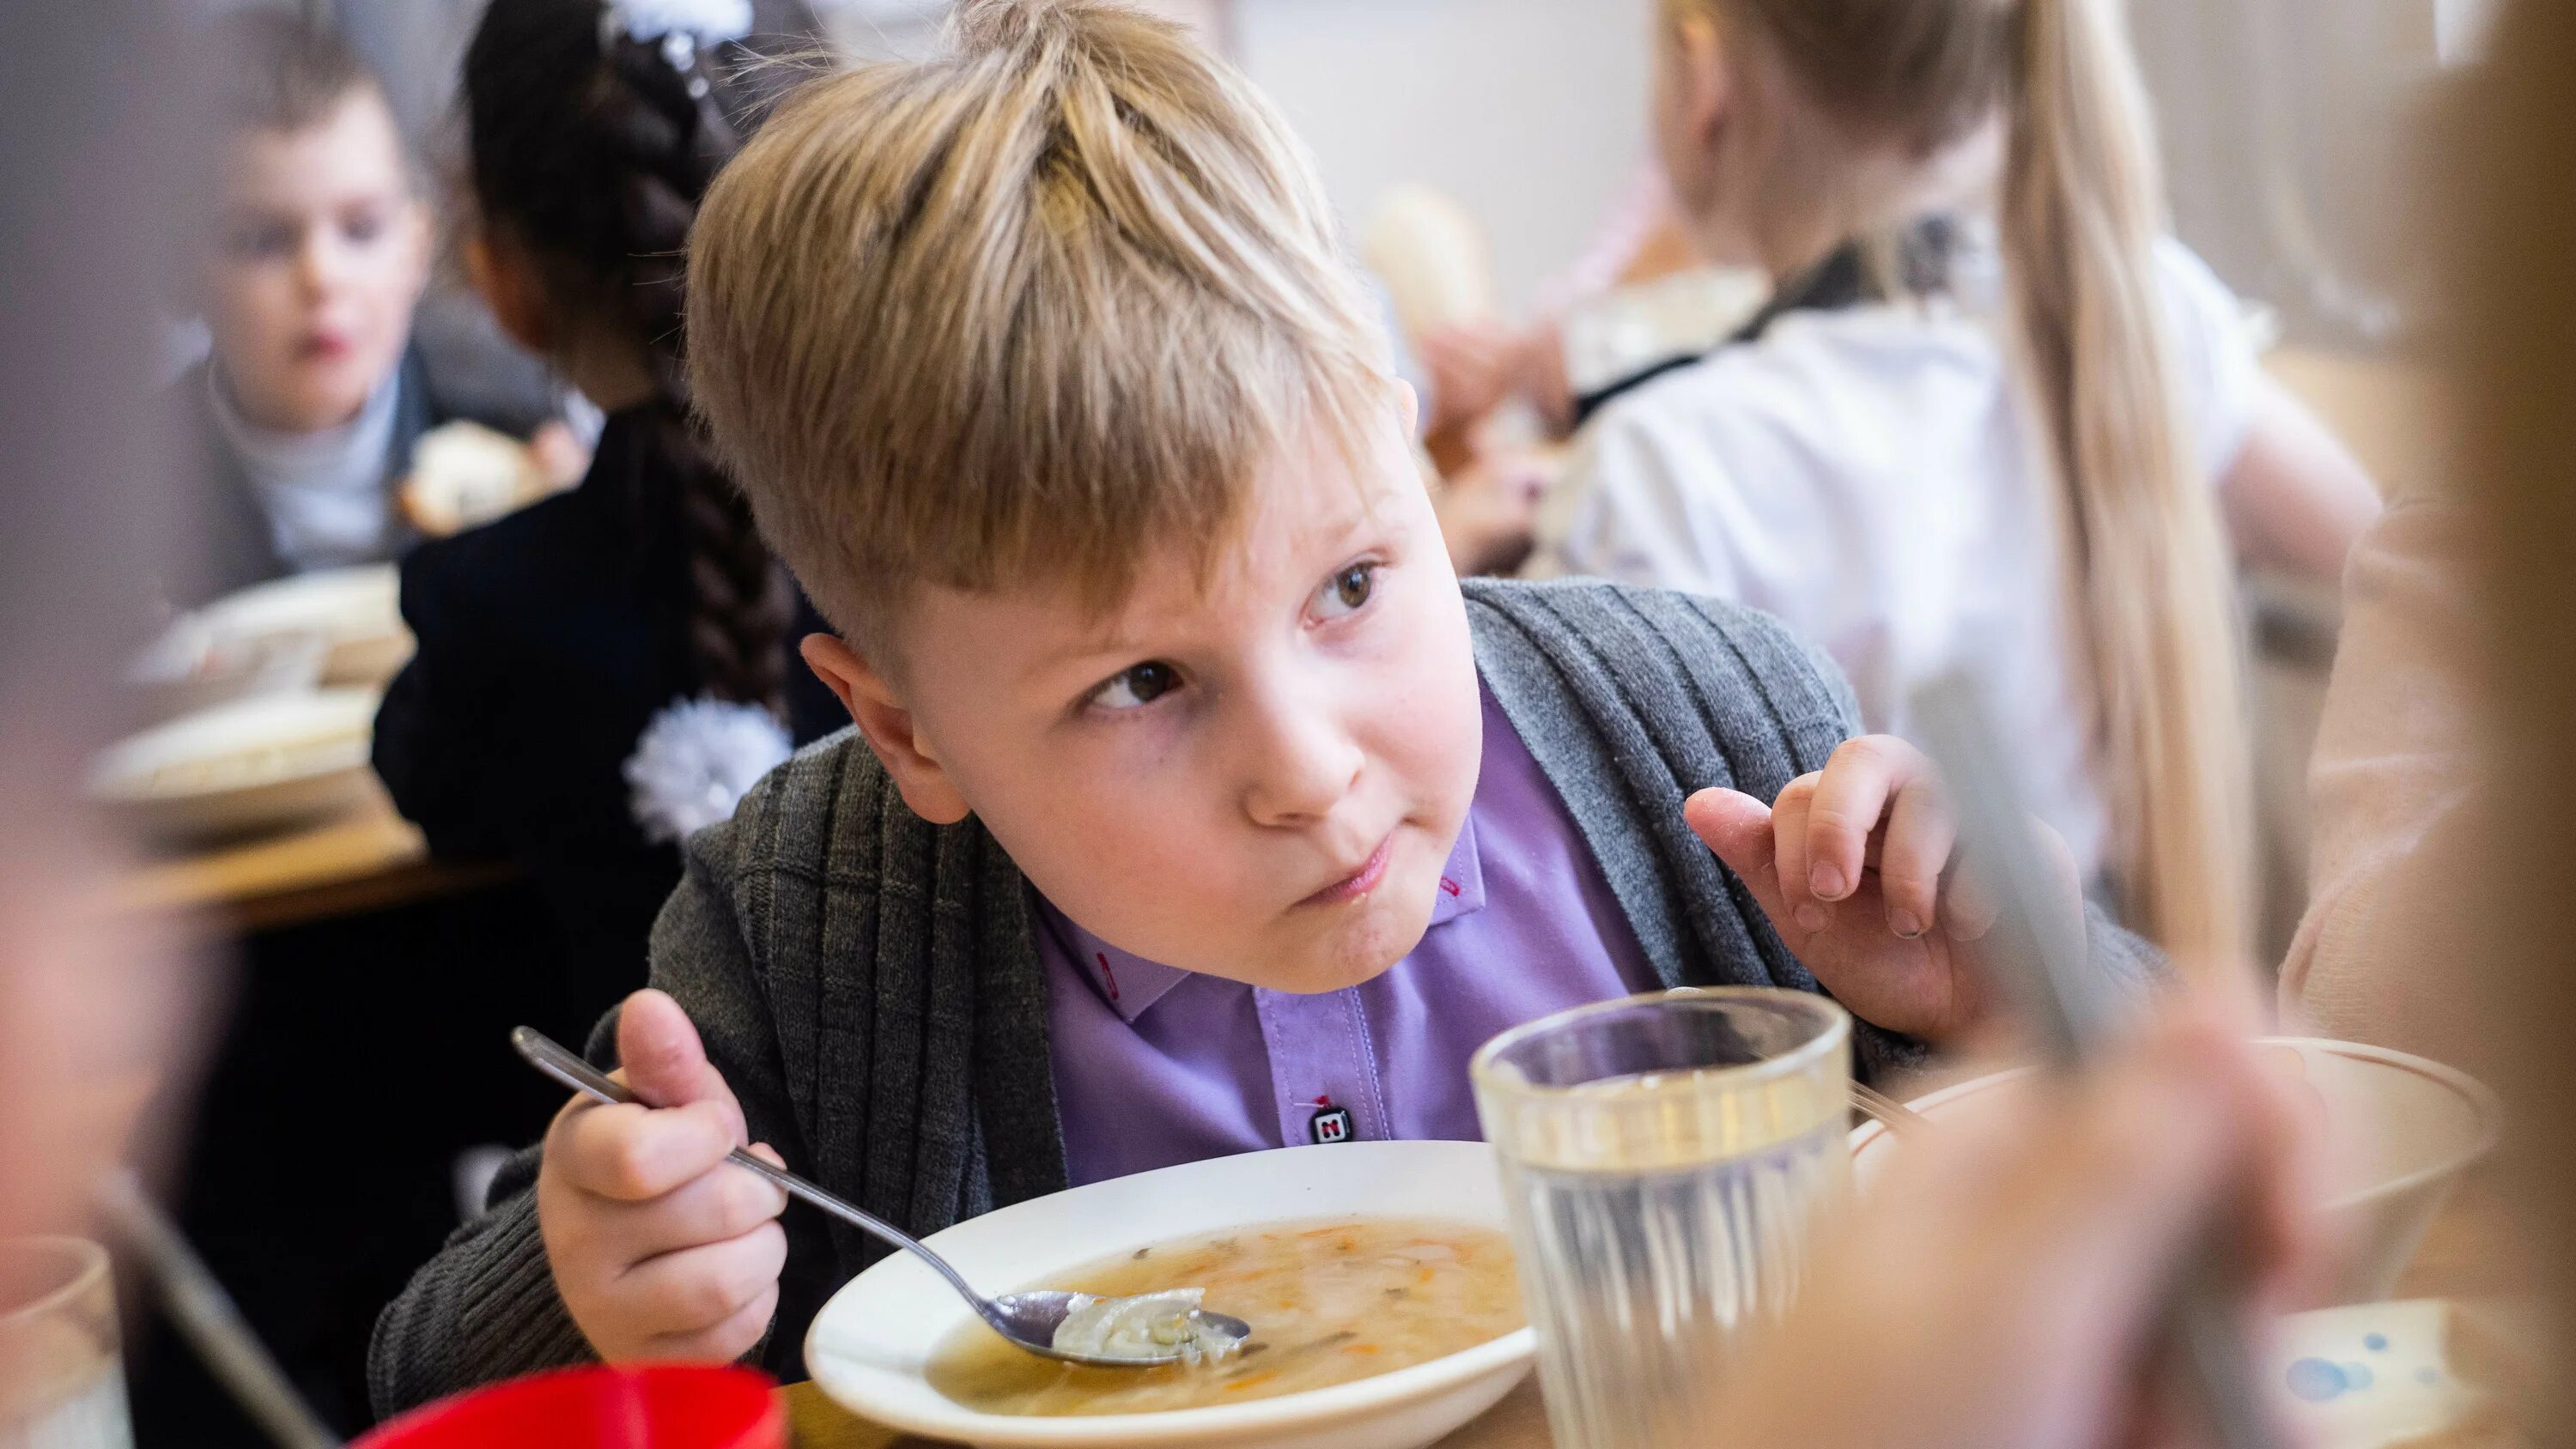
[508,285]
[888,727]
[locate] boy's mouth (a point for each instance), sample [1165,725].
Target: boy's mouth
[1359,882]
[324,346]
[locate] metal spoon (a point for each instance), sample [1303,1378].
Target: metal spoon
[1028,1320]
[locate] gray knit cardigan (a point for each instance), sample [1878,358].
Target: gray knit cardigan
[868,983]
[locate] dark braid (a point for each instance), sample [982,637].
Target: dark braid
[596,159]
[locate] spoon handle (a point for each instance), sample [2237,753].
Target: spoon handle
[2039,949]
[552,1058]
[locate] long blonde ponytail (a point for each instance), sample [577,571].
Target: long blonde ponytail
[2082,209]
[2149,581]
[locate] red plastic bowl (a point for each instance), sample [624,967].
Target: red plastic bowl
[673,1406]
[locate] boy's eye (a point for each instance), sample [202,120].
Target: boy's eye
[363,228]
[1347,591]
[262,240]
[1137,687]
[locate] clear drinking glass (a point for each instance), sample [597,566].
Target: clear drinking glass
[62,1372]
[1663,1158]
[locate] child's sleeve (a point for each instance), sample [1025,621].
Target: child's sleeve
[430,743]
[2218,370]
[486,1308]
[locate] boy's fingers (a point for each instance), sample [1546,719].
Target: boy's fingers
[1851,797]
[1968,905]
[1737,828]
[723,1343]
[1915,846]
[714,1206]
[660,1056]
[699,1288]
[1789,832]
[633,1153]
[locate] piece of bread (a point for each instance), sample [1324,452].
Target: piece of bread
[464,474]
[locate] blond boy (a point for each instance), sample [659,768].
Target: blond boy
[1192,807]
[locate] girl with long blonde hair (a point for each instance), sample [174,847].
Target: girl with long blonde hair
[1993,417]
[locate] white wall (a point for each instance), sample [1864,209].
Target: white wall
[1531,112]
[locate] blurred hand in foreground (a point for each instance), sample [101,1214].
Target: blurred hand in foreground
[98,1013]
[2003,1286]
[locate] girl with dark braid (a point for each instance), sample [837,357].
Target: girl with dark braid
[607,670]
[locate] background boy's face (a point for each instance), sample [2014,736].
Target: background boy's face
[1259,779]
[321,253]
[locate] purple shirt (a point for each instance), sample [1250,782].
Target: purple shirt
[1156,1066]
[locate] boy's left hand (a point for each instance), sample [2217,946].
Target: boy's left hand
[1848,863]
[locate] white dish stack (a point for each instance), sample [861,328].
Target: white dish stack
[266,704]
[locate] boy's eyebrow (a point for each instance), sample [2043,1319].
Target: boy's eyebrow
[1096,646]
[1335,532]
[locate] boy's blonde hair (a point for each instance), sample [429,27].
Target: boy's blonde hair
[1020,313]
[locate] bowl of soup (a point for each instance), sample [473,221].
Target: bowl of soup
[1375,1275]
[2399,1131]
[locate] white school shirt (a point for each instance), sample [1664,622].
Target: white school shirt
[1870,475]
[324,493]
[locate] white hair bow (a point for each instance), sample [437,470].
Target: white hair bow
[694,761]
[681,25]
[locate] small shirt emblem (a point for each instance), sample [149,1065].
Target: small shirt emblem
[1333,1124]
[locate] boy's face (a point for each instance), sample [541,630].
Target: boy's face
[1258,779]
[321,253]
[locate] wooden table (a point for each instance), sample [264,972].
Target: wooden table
[364,860]
[2461,1258]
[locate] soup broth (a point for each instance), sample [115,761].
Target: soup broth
[1328,1302]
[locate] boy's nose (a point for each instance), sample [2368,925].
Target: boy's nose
[317,266]
[1301,769]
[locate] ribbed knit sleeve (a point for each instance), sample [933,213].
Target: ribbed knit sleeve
[1631,699]
[484,1309]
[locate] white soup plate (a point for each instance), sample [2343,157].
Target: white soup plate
[871,1344]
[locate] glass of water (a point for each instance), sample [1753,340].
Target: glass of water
[1663,1158]
[62,1377]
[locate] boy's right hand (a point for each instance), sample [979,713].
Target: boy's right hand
[660,1249]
